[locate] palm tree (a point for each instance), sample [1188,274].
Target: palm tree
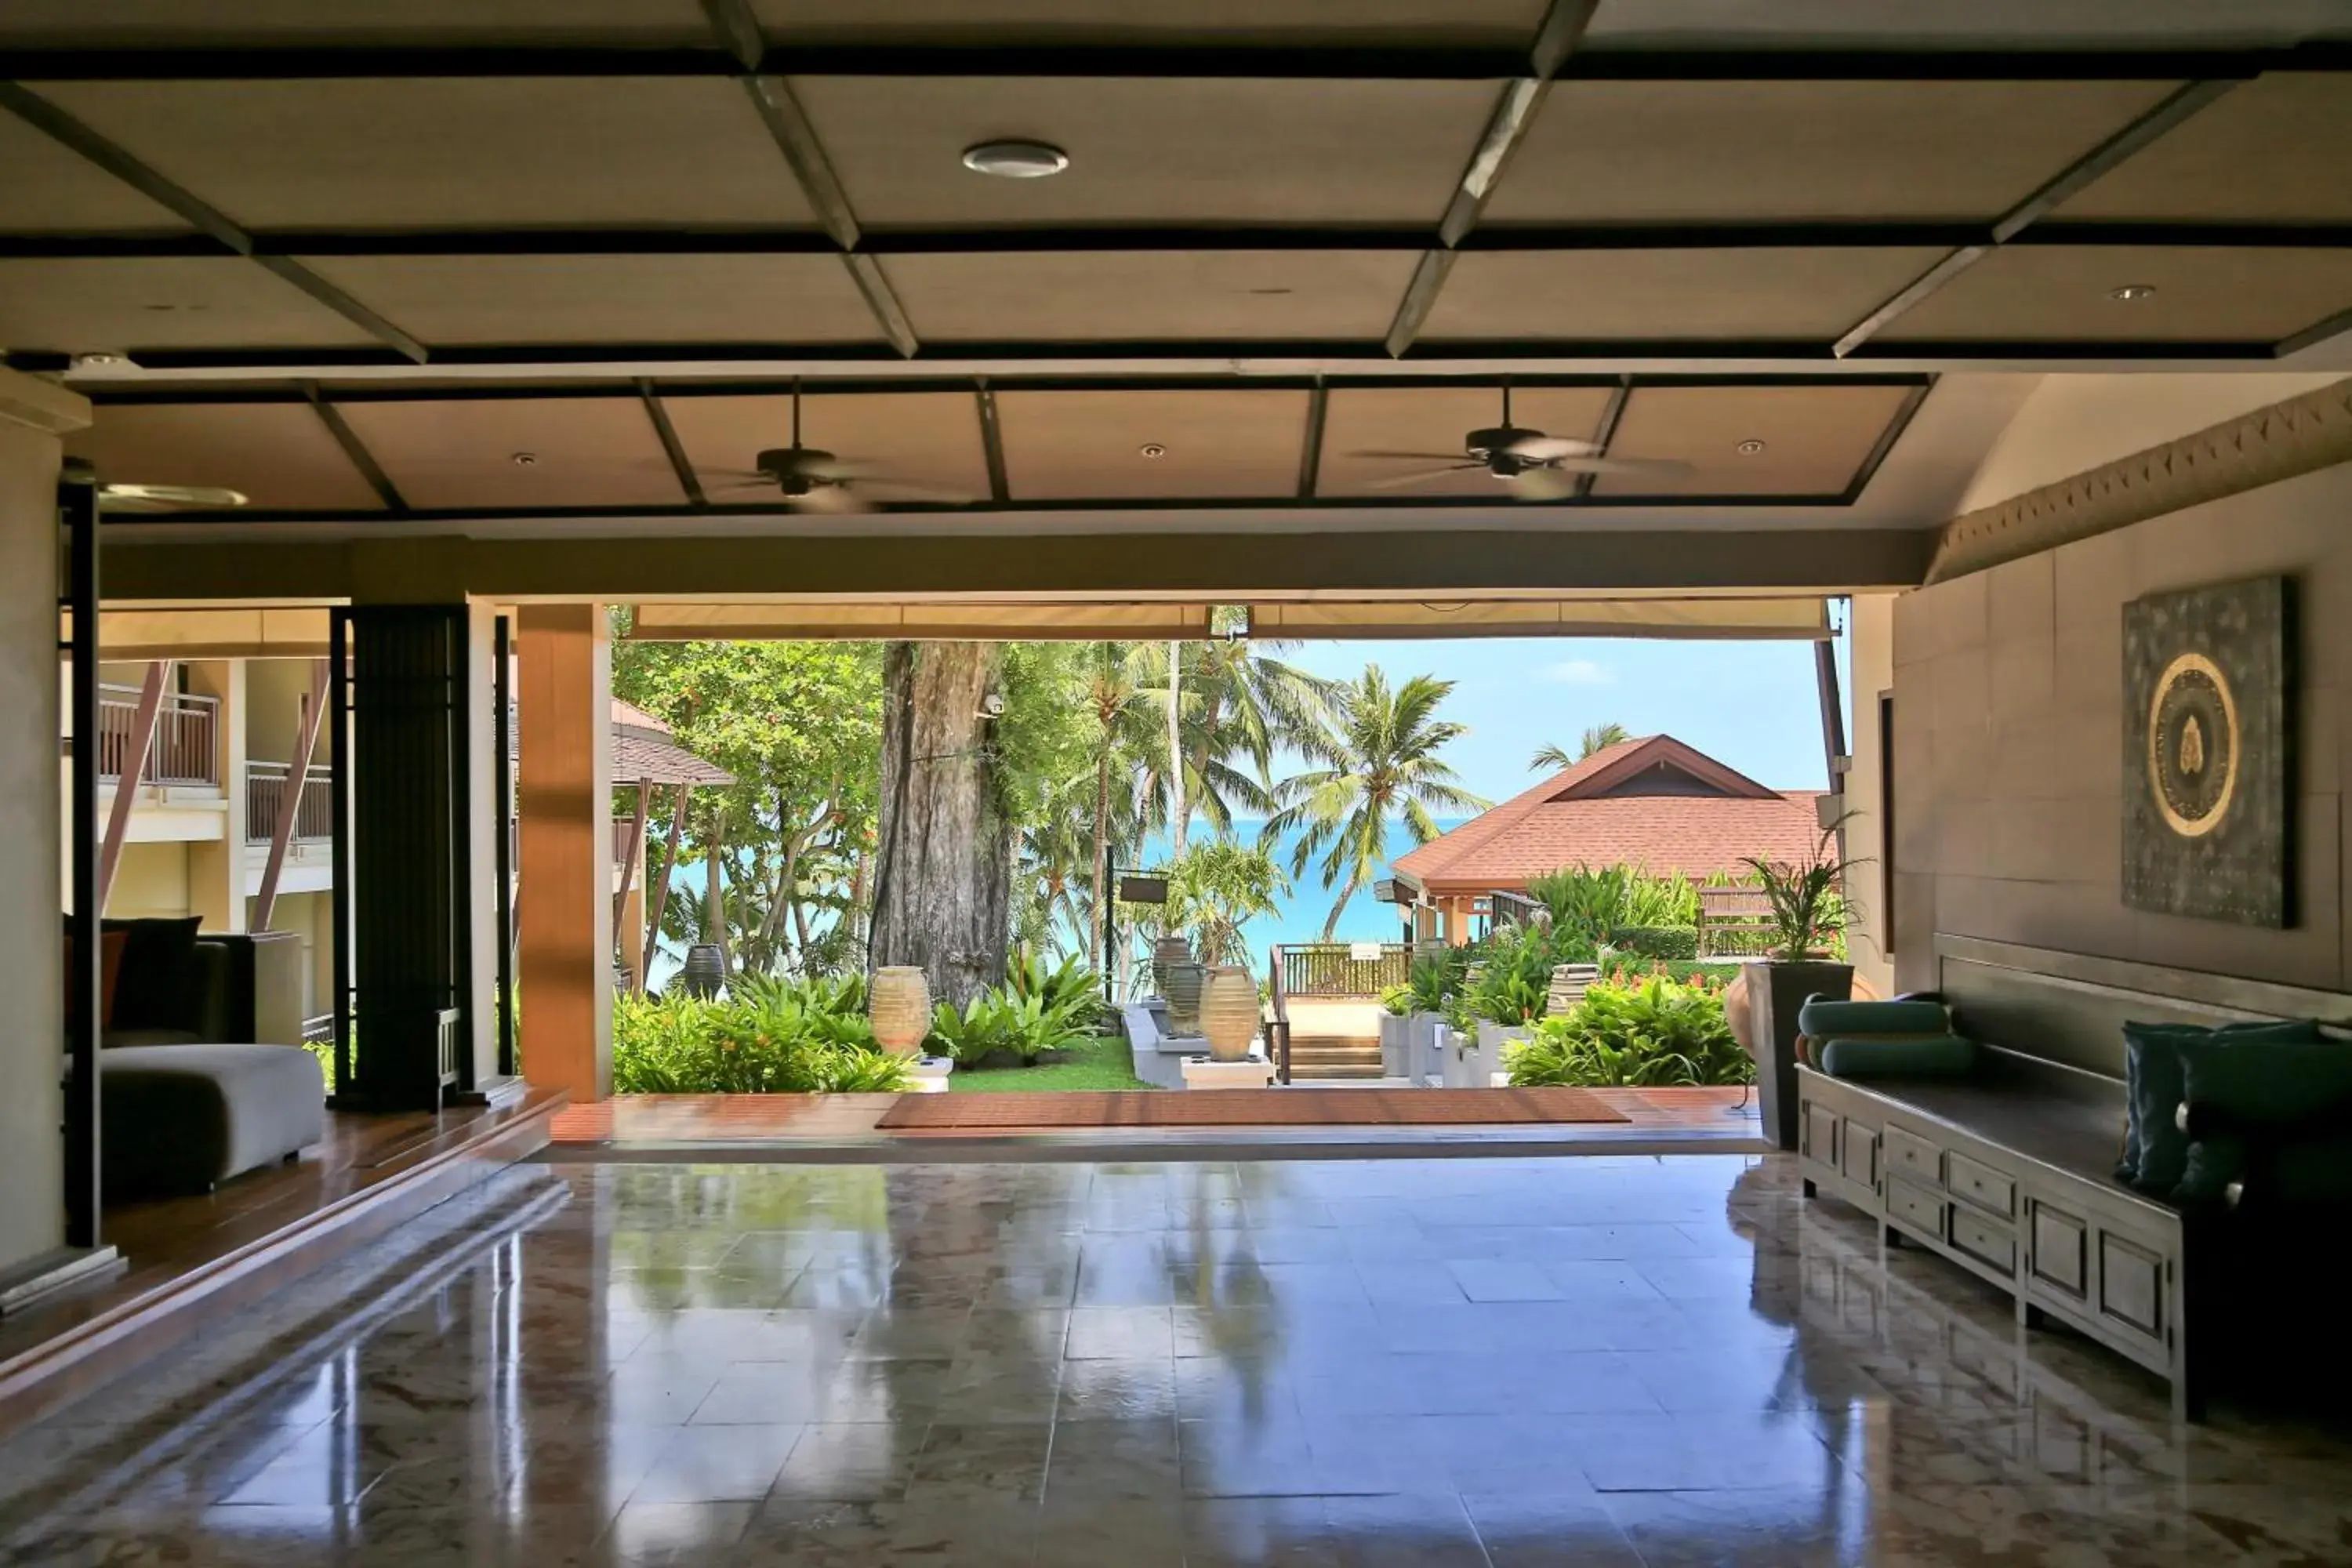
[1600,738]
[1235,707]
[1115,701]
[1380,762]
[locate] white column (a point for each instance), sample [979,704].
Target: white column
[35,415]
[1873,649]
[217,867]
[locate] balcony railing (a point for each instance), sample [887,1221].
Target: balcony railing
[1321,969]
[185,750]
[268,785]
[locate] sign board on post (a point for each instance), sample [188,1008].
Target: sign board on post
[1364,951]
[1143,889]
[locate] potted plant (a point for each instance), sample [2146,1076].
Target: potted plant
[1430,985]
[1808,917]
[1512,991]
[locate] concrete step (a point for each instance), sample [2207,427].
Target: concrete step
[1304,1053]
[1315,1072]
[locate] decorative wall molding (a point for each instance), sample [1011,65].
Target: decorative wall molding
[2295,436]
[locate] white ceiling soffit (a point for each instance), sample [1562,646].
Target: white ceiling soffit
[274,633]
[1646,616]
[961,622]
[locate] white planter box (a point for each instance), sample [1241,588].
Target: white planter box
[929,1074]
[1473,1064]
[1396,1046]
[1424,1055]
[1200,1072]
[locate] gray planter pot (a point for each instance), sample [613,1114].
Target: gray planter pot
[1396,1046]
[1472,1063]
[1776,992]
[1424,1064]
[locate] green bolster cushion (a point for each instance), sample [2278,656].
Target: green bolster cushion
[2155,1152]
[1913,1056]
[1846,1020]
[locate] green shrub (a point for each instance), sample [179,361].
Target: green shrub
[771,1037]
[1656,942]
[1021,1021]
[1657,1033]
[1436,978]
[1590,902]
[1628,969]
[1513,986]
[1397,1001]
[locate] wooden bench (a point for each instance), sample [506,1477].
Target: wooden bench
[2008,1174]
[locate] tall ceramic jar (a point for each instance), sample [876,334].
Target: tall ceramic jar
[900,1009]
[1166,953]
[1229,1012]
[1183,989]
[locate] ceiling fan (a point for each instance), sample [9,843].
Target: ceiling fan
[168,498]
[813,480]
[1536,466]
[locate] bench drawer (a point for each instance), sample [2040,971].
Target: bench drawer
[1982,1239]
[1979,1184]
[1908,1155]
[2058,1255]
[1916,1209]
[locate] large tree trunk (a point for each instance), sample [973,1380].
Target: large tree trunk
[944,869]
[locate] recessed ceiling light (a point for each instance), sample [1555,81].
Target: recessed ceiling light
[1152,449]
[2130,291]
[525,459]
[1750,447]
[1017,160]
[101,359]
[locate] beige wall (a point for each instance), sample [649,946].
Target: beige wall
[150,879]
[32,1147]
[2009,732]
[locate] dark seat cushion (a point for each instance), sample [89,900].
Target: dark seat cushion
[2155,1152]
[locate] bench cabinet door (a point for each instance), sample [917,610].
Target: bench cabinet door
[1858,1153]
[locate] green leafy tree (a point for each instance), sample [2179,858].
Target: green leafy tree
[1600,738]
[1378,763]
[798,726]
[1238,706]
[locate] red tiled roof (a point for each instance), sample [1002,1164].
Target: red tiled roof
[1569,819]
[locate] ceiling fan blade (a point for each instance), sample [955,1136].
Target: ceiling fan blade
[1405,481]
[830,500]
[1422,457]
[909,490]
[756,482]
[1550,449]
[1542,484]
[152,497]
[1657,468]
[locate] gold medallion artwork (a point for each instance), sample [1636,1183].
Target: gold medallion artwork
[2193,746]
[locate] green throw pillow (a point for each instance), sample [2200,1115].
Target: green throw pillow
[1917,1055]
[2264,1080]
[2155,1152]
[1821,1020]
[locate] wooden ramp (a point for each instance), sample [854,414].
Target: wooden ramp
[1246,1108]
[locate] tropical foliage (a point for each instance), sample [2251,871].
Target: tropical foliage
[1655,1033]
[770,1040]
[1600,738]
[1214,888]
[1376,762]
[1597,902]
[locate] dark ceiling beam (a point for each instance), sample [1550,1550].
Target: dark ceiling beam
[1402,62]
[592,242]
[468,392]
[2168,115]
[1161,561]
[70,134]
[672,447]
[992,443]
[1310,445]
[795,137]
[1211,356]
[355,449]
[1515,110]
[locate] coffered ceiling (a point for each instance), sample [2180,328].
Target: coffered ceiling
[1287,232]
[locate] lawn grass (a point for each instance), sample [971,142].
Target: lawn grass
[1099,1064]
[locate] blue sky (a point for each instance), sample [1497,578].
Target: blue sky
[1751,704]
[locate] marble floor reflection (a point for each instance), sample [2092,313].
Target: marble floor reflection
[1500,1362]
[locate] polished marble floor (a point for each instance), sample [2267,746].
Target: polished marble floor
[1504,1362]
